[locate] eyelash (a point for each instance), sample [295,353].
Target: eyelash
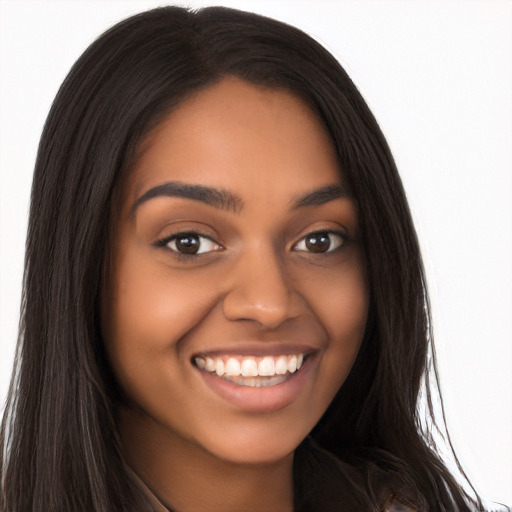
[340,242]
[165,243]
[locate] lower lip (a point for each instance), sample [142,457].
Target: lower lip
[263,399]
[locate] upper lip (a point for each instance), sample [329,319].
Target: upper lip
[258,350]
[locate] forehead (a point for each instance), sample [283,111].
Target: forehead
[238,136]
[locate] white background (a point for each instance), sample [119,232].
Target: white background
[438,76]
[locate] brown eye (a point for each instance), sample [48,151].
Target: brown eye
[320,242]
[191,244]
[187,243]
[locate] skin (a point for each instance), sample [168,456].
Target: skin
[255,286]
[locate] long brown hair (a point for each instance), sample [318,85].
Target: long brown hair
[60,449]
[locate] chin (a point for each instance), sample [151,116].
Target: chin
[254,446]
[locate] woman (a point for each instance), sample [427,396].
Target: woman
[220,261]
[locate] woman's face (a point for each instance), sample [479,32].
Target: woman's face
[238,295]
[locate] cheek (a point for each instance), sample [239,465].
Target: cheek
[342,309]
[149,311]
[339,297]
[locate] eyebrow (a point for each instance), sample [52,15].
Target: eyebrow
[218,198]
[321,196]
[225,200]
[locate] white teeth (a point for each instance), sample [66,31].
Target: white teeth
[249,382]
[232,367]
[219,368]
[266,367]
[292,364]
[281,365]
[260,382]
[249,368]
[209,364]
[242,370]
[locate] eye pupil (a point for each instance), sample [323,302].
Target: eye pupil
[318,242]
[187,243]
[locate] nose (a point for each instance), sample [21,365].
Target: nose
[261,291]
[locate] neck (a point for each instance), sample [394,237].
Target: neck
[186,478]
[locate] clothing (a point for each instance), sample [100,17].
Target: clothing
[323,484]
[158,506]
[397,503]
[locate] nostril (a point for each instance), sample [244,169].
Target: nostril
[260,290]
[236,306]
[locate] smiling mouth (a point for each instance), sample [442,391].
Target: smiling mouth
[252,371]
